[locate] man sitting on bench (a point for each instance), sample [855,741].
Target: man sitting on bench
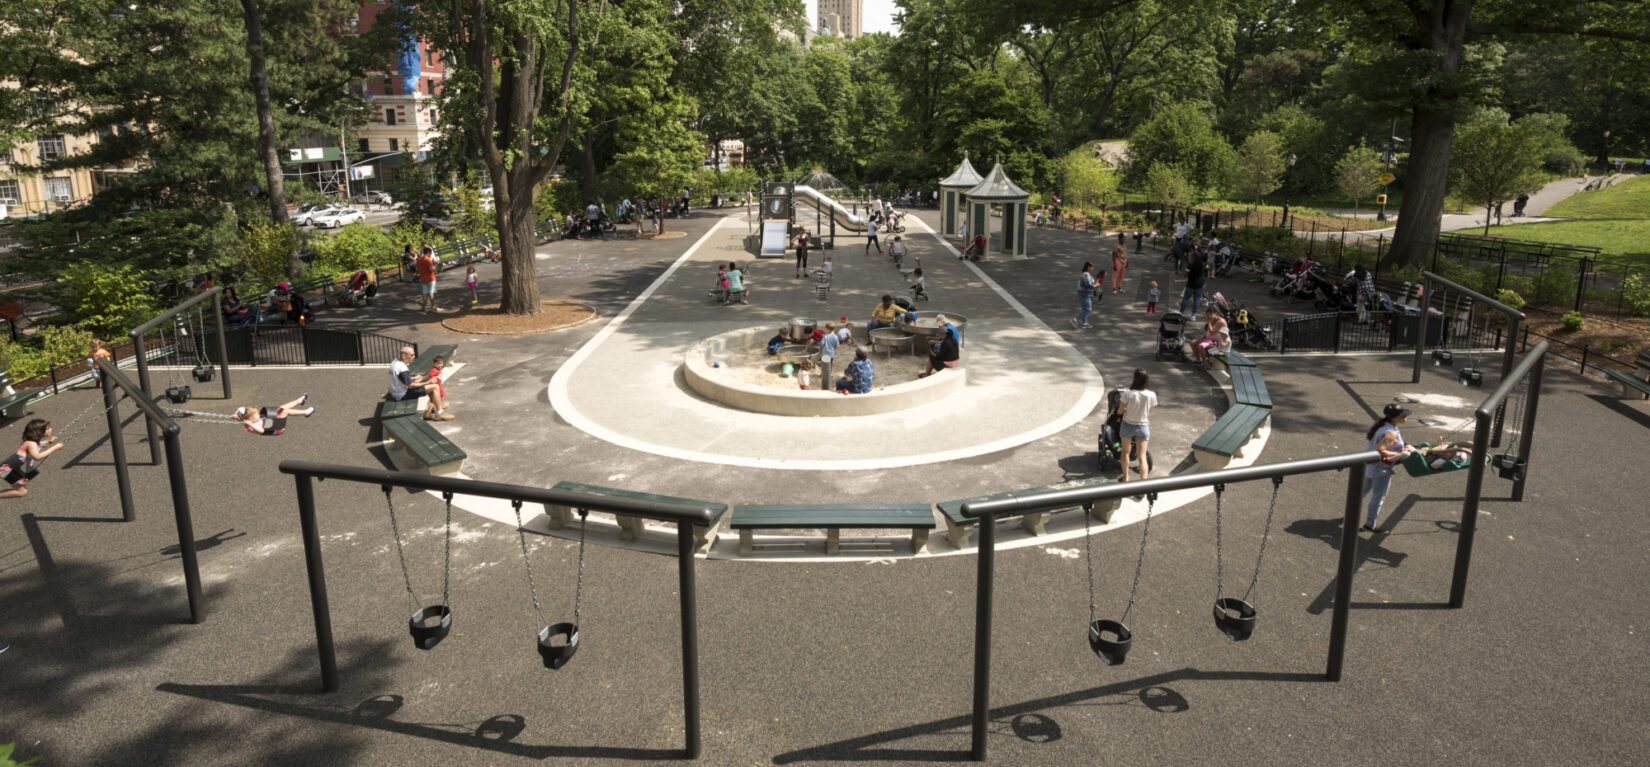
[404,385]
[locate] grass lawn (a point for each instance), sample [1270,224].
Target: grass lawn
[1624,242]
[1629,199]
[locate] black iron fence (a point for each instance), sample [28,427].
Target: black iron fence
[295,345]
[1585,358]
[1385,331]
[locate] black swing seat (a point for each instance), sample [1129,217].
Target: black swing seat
[1470,377]
[203,373]
[1509,466]
[1443,357]
[178,394]
[1235,618]
[557,655]
[425,636]
[1112,651]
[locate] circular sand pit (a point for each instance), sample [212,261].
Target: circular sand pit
[735,369]
[492,321]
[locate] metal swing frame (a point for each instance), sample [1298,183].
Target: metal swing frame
[1431,282]
[137,334]
[683,516]
[113,383]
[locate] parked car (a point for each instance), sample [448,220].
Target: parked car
[373,198]
[307,214]
[335,219]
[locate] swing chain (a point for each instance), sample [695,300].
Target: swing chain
[532,586]
[395,527]
[578,586]
[447,557]
[1266,533]
[1140,564]
[1220,557]
[76,432]
[1088,556]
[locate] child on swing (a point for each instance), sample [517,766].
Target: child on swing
[1447,455]
[19,467]
[271,421]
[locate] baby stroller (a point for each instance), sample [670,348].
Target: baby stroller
[1111,439]
[1170,338]
[358,292]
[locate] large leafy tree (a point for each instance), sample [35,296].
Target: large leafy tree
[1495,162]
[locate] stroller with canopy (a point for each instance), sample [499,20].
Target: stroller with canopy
[358,292]
[1170,336]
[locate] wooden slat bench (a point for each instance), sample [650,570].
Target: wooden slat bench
[958,528]
[418,446]
[1234,358]
[1225,439]
[421,364]
[1640,379]
[14,405]
[1248,388]
[917,517]
[629,526]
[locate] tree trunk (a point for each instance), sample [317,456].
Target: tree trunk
[587,168]
[513,209]
[266,122]
[1424,189]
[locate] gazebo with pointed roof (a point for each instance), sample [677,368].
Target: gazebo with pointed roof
[998,189]
[952,188]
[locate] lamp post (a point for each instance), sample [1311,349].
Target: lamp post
[1286,176]
[1392,142]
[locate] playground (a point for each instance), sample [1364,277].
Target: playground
[798,653]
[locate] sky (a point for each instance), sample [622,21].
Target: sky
[879,15]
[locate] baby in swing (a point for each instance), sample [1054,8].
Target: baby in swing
[1448,455]
[271,421]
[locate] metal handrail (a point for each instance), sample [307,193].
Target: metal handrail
[659,510]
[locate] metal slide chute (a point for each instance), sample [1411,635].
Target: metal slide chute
[830,207]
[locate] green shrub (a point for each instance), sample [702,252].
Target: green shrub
[1573,321]
[1510,298]
[357,246]
[7,761]
[1611,346]
[1635,295]
[108,299]
[1554,286]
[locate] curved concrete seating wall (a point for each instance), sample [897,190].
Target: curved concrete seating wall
[708,382]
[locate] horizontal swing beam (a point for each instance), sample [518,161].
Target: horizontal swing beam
[1062,499]
[137,334]
[684,516]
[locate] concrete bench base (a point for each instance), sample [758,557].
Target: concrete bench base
[833,541]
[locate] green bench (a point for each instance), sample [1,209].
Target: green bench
[547,231]
[1225,439]
[958,527]
[917,517]
[421,364]
[1234,358]
[418,446]
[1248,388]
[15,405]
[630,527]
[1640,379]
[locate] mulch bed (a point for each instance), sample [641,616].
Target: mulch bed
[491,320]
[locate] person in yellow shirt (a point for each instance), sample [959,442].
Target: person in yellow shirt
[884,315]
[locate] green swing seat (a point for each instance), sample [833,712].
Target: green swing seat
[1416,463]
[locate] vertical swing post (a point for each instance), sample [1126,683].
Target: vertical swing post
[1343,574]
[223,352]
[117,446]
[688,589]
[1469,510]
[142,356]
[317,582]
[987,552]
[186,525]
[1526,434]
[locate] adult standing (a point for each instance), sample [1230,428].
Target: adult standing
[426,280]
[1136,404]
[801,251]
[1119,262]
[871,236]
[1085,297]
[1385,438]
[592,219]
[1197,272]
[404,385]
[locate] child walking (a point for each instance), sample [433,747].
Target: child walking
[896,251]
[19,467]
[1151,297]
[271,421]
[470,282]
[919,291]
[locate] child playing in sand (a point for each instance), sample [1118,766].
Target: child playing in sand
[271,421]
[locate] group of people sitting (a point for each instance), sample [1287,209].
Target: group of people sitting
[406,385]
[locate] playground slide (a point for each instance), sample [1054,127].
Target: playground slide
[830,207]
[773,237]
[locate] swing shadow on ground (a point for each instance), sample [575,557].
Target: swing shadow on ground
[1028,720]
[362,668]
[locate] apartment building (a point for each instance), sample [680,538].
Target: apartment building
[23,194]
[843,18]
[404,116]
